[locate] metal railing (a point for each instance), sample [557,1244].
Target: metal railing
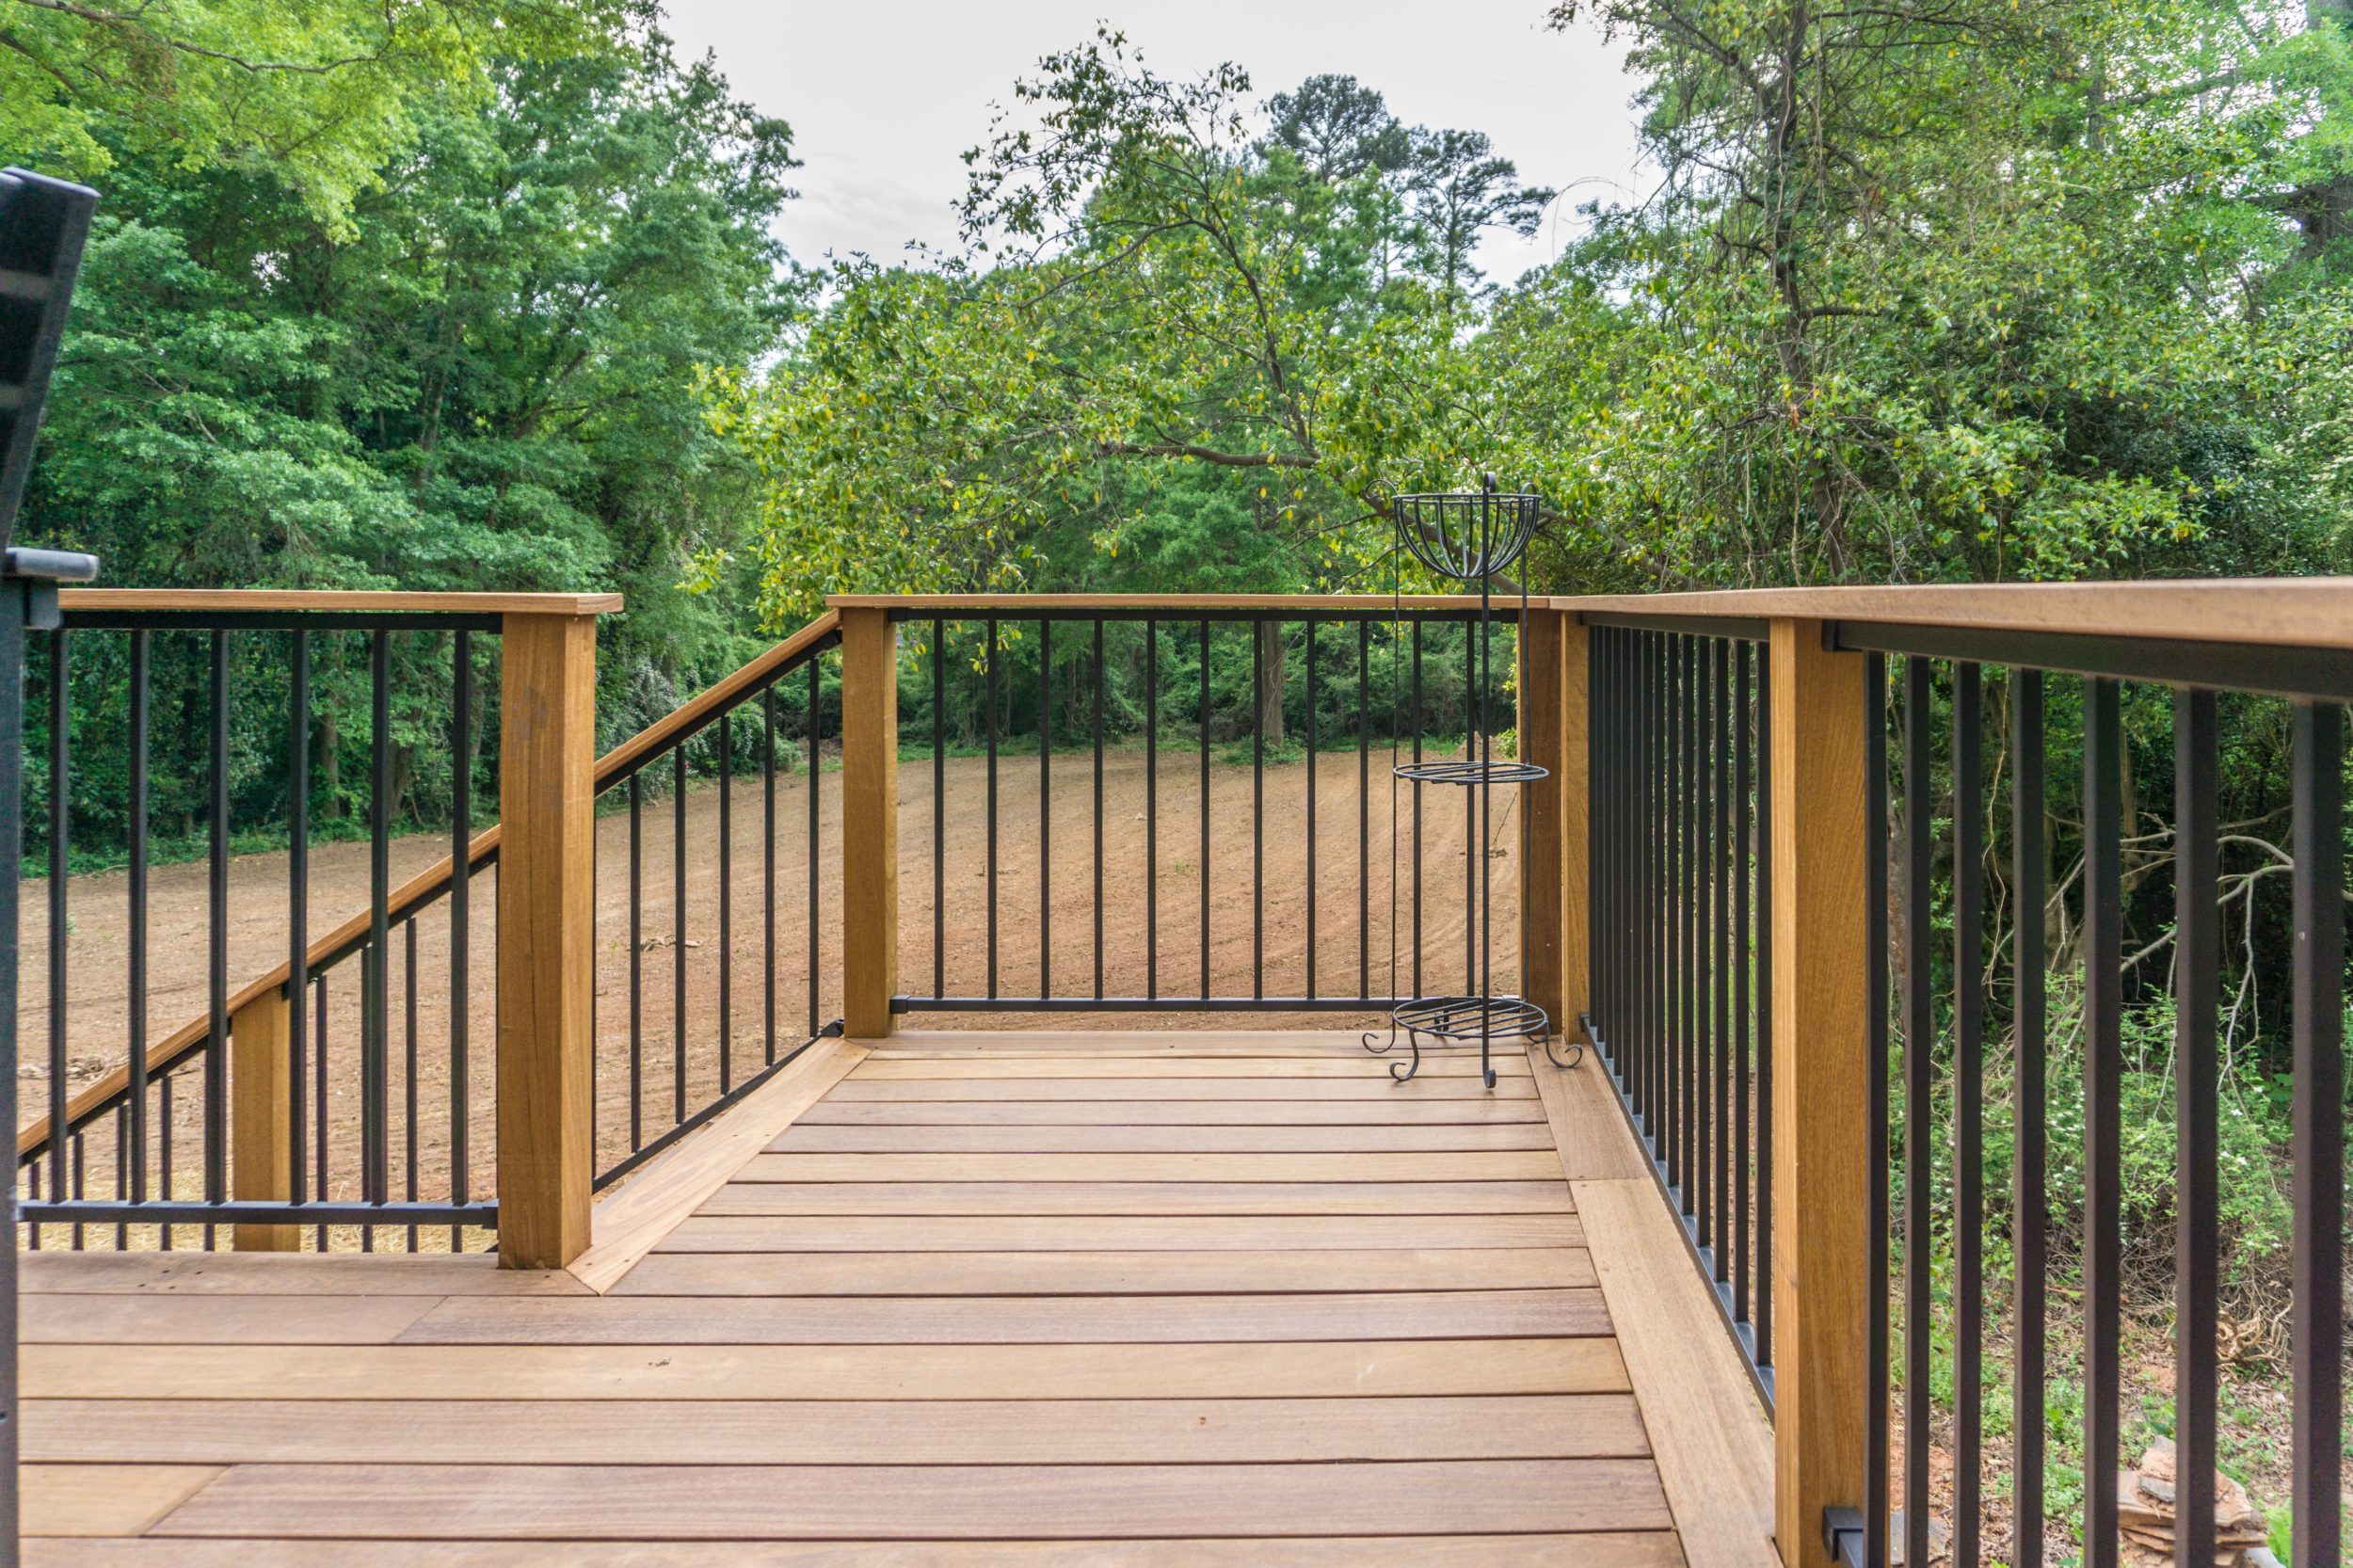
[728,1033]
[1680,814]
[1164,705]
[168,1140]
[1864,862]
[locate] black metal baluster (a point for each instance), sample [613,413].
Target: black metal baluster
[1416,793]
[1205,806]
[940,808]
[727,902]
[1098,809]
[2317,1179]
[408,1078]
[1311,807]
[1363,813]
[814,868]
[216,937]
[375,1088]
[1702,984]
[636,964]
[1258,809]
[1743,935]
[1677,973]
[1471,796]
[1968,1107]
[122,1172]
[163,1163]
[1152,808]
[1692,982]
[1878,1113]
[768,870]
[1044,808]
[460,879]
[60,830]
[318,1088]
[678,933]
[1919,1053]
[1719,967]
[1654,894]
[2029,1206]
[137,1063]
[2104,946]
[2196,1271]
[988,663]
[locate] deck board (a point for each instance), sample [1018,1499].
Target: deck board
[1646,1549]
[1014,1319]
[998,1301]
[915,1432]
[980,1501]
[1139,1197]
[1030,1274]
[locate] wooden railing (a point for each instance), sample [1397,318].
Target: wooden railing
[254,1151]
[1705,891]
[1716,749]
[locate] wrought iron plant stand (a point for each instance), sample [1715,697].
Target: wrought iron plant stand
[1467,536]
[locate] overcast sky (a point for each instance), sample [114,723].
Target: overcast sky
[882,97]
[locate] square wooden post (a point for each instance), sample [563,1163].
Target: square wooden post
[1821,1067]
[260,1142]
[869,822]
[546,924]
[1552,827]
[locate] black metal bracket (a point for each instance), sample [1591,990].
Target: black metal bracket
[1842,1535]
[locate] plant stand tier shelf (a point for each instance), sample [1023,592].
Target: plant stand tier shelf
[1470,770]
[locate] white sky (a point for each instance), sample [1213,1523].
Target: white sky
[882,98]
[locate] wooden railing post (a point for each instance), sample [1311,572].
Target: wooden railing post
[869,820]
[260,1142]
[1553,827]
[546,925]
[1821,1065]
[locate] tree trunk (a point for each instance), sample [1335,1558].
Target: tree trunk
[1270,682]
[331,762]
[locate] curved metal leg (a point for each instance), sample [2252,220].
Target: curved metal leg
[1576,1054]
[1413,1039]
[1387,1044]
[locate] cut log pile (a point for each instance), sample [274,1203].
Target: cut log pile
[2145,1510]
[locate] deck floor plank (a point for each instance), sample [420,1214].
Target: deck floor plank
[1190,1233]
[1610,1549]
[1002,1300]
[1014,1319]
[980,1502]
[1122,1272]
[1362,1112]
[847,1432]
[808,1138]
[765,1196]
[1310,1369]
[1469,1165]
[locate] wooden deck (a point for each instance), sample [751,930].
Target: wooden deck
[1034,1299]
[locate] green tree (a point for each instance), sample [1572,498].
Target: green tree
[1143,287]
[317,96]
[1974,290]
[484,377]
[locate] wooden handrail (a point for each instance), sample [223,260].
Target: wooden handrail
[283,601]
[2296,612]
[427,885]
[1012,606]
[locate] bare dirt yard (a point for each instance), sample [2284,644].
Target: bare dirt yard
[710,985]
